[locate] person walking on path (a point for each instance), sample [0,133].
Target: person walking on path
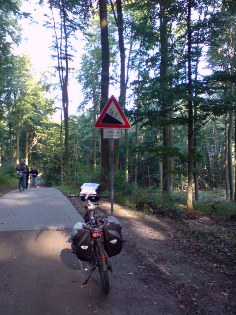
[33,177]
[22,167]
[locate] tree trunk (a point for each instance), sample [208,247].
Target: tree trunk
[136,156]
[66,98]
[94,132]
[161,176]
[105,160]
[126,156]
[226,160]
[18,145]
[196,184]
[235,156]
[66,124]
[165,102]
[61,151]
[11,147]
[209,166]
[170,159]
[63,71]
[122,98]
[230,158]
[190,114]
[27,148]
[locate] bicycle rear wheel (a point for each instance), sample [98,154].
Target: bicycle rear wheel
[103,267]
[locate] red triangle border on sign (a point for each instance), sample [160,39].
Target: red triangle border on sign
[99,123]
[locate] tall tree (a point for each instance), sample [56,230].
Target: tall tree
[105,160]
[25,109]
[222,55]
[90,78]
[165,101]
[9,35]
[190,111]
[66,20]
[62,46]
[118,14]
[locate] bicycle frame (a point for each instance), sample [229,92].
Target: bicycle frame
[95,225]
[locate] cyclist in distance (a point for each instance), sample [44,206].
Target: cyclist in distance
[22,167]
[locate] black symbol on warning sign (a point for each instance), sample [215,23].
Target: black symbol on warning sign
[112,116]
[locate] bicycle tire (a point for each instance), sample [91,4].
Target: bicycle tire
[103,268]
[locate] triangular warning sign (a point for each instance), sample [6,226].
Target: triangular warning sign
[112,116]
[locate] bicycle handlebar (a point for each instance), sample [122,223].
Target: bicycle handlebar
[72,195]
[87,196]
[96,227]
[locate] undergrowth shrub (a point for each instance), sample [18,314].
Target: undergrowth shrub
[84,174]
[149,201]
[212,196]
[67,188]
[152,201]
[220,209]
[8,178]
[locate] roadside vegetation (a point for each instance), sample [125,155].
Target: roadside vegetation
[7,180]
[147,200]
[150,201]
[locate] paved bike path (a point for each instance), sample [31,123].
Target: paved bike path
[41,276]
[35,209]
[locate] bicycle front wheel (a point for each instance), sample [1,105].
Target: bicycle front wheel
[21,186]
[104,279]
[103,267]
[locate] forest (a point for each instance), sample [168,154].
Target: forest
[171,66]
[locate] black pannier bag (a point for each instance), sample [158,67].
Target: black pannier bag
[112,236]
[82,246]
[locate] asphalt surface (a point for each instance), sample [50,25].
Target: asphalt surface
[39,274]
[36,208]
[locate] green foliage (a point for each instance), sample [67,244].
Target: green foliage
[65,188]
[47,154]
[8,179]
[9,169]
[51,174]
[85,174]
[151,201]
[9,33]
[120,183]
[89,75]
[213,203]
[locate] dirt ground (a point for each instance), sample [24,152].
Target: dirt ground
[193,257]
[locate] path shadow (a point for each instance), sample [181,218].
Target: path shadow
[70,260]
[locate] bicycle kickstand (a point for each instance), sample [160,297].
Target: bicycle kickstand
[86,281]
